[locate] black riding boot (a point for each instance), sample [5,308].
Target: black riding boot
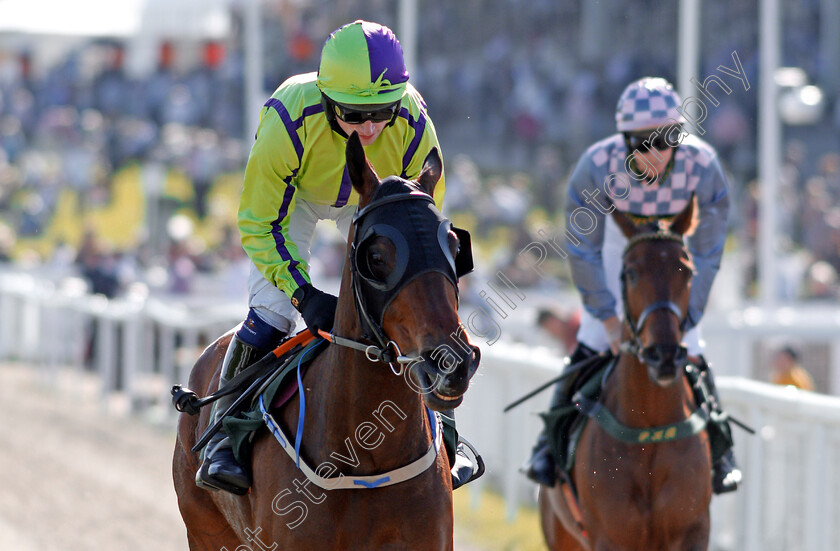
[464,468]
[219,470]
[726,475]
[541,467]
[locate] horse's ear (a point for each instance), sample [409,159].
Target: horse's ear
[627,226]
[685,222]
[430,173]
[362,175]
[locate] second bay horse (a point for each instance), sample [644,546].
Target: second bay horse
[651,494]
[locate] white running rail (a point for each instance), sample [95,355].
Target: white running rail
[140,347]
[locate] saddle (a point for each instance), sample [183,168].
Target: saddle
[277,388]
[564,424]
[281,385]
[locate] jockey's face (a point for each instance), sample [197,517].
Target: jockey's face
[368,130]
[656,159]
[650,151]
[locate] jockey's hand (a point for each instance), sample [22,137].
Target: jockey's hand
[316,307]
[613,328]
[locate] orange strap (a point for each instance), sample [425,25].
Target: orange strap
[572,504]
[302,338]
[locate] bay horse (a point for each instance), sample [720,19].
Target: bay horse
[399,282]
[643,487]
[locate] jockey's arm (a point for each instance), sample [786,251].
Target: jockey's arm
[585,258]
[266,203]
[707,242]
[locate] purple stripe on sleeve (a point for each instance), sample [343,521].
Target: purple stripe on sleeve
[419,127]
[344,190]
[311,110]
[280,240]
[291,126]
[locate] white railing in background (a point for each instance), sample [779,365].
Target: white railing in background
[140,347]
[741,342]
[790,496]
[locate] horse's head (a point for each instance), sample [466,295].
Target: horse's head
[405,260]
[656,284]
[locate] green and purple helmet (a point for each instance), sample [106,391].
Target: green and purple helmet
[362,64]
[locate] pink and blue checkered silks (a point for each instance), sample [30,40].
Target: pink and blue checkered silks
[647,103]
[601,171]
[660,198]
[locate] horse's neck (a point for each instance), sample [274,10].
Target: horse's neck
[365,402]
[637,401]
[368,412]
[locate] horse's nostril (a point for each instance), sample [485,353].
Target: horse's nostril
[652,356]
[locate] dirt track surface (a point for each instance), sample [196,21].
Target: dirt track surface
[75,477]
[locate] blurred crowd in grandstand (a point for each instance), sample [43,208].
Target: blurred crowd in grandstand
[128,179]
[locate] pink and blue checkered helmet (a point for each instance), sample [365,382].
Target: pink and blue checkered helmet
[647,103]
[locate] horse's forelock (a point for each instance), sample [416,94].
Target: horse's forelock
[394,185]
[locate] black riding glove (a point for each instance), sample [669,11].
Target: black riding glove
[316,307]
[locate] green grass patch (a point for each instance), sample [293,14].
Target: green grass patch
[482,521]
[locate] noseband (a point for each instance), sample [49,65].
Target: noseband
[635,345]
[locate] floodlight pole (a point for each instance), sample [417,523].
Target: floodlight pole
[254,93]
[688,48]
[407,32]
[769,149]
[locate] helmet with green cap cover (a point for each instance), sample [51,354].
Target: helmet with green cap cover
[362,64]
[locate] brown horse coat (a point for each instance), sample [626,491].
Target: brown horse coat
[636,497]
[360,419]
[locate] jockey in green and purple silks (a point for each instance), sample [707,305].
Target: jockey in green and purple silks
[296,176]
[299,153]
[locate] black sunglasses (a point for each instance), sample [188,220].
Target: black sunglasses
[644,141]
[358,114]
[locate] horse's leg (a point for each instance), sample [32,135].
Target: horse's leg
[557,537]
[207,527]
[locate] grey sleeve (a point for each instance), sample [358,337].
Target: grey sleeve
[707,243]
[585,243]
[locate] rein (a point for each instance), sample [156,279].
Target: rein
[373,352]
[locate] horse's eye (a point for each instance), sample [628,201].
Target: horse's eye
[631,275]
[376,260]
[379,258]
